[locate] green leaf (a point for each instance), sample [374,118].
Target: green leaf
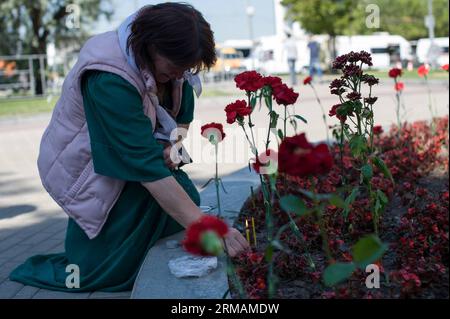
[358,145]
[280,134]
[301,118]
[294,124]
[338,272]
[368,250]
[268,101]
[314,196]
[253,101]
[337,201]
[381,201]
[273,119]
[277,244]
[291,203]
[367,172]
[378,162]
[269,253]
[207,183]
[349,200]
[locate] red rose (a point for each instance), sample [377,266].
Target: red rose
[377,130]
[445,67]
[214,130]
[298,157]
[192,242]
[249,81]
[399,86]
[423,70]
[284,95]
[307,80]
[395,73]
[237,110]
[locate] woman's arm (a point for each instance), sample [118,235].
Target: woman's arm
[179,205]
[175,202]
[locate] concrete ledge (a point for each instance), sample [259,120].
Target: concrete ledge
[155,281]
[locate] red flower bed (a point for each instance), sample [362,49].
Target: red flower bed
[415,225]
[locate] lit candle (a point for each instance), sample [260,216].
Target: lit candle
[254,231]
[247,231]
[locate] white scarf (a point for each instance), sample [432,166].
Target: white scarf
[167,124]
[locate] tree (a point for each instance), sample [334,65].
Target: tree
[332,17]
[406,17]
[34,23]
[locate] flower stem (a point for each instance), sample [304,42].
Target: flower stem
[324,117]
[216,180]
[319,216]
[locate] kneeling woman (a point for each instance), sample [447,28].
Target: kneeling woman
[100,158]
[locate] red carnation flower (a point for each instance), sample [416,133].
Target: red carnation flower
[266,163]
[193,241]
[213,132]
[399,86]
[423,70]
[249,81]
[354,96]
[237,110]
[445,67]
[377,130]
[272,81]
[395,73]
[307,80]
[284,95]
[333,112]
[298,157]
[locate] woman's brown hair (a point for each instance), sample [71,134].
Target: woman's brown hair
[176,31]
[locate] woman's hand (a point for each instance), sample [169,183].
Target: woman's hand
[235,242]
[167,159]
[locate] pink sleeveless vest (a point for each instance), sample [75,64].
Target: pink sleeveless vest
[65,162]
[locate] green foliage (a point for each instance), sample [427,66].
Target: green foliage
[349,200]
[379,163]
[406,17]
[358,145]
[44,21]
[301,118]
[326,16]
[402,17]
[292,203]
[367,250]
[338,272]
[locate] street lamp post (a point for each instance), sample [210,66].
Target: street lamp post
[434,50]
[250,10]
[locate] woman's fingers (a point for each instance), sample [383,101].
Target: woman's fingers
[236,243]
[241,240]
[167,159]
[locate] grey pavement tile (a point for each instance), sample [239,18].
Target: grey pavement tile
[6,268]
[9,289]
[47,246]
[110,295]
[27,292]
[50,294]
[36,238]
[15,251]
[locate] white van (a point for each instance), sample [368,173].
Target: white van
[387,50]
[423,45]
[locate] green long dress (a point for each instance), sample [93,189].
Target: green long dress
[123,147]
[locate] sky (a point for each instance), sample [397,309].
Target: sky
[228,18]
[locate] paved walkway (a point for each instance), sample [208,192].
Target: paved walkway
[31,223]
